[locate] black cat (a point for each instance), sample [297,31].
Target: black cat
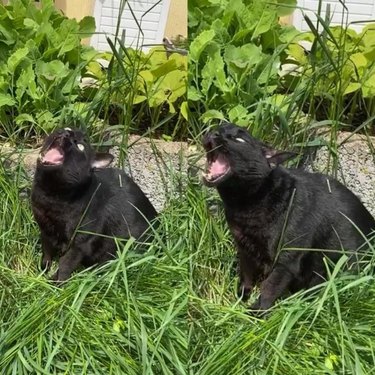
[74,193]
[269,208]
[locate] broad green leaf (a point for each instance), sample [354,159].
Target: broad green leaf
[6,99]
[157,56]
[212,114]
[267,70]
[298,53]
[213,73]
[46,120]
[171,86]
[194,94]
[8,35]
[359,60]
[146,77]
[367,36]
[30,24]
[264,17]
[86,26]
[24,117]
[95,69]
[165,68]
[353,86]
[198,45]
[69,43]
[16,58]
[88,53]
[181,61]
[244,56]
[368,87]
[239,115]
[52,70]
[26,83]
[288,34]
[139,99]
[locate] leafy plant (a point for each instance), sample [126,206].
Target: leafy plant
[235,55]
[41,59]
[141,89]
[338,73]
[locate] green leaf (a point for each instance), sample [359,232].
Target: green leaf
[298,53]
[184,110]
[169,88]
[210,115]
[86,26]
[352,87]
[164,69]
[239,115]
[52,70]
[194,95]
[8,35]
[69,43]
[16,58]
[139,99]
[264,18]
[6,99]
[26,82]
[359,60]
[213,73]
[24,117]
[288,34]
[198,45]
[368,86]
[244,56]
[30,24]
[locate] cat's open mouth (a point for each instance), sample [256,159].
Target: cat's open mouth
[217,166]
[53,155]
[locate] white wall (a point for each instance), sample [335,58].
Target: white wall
[358,10]
[151,16]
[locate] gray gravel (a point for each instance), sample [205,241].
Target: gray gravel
[158,167]
[356,166]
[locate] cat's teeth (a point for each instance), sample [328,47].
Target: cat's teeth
[207,176]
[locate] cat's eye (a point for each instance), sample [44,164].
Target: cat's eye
[240,140]
[80,146]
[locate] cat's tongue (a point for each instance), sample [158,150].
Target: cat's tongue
[53,156]
[218,167]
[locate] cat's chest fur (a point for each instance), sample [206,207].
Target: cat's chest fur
[57,220]
[250,233]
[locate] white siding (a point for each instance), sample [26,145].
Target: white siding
[151,16]
[357,10]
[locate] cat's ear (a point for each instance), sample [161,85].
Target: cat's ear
[277,157]
[101,160]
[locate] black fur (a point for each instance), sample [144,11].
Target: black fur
[70,193]
[269,207]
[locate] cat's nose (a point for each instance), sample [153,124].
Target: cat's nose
[66,133]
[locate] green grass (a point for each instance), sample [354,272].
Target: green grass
[329,332]
[127,317]
[172,310]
